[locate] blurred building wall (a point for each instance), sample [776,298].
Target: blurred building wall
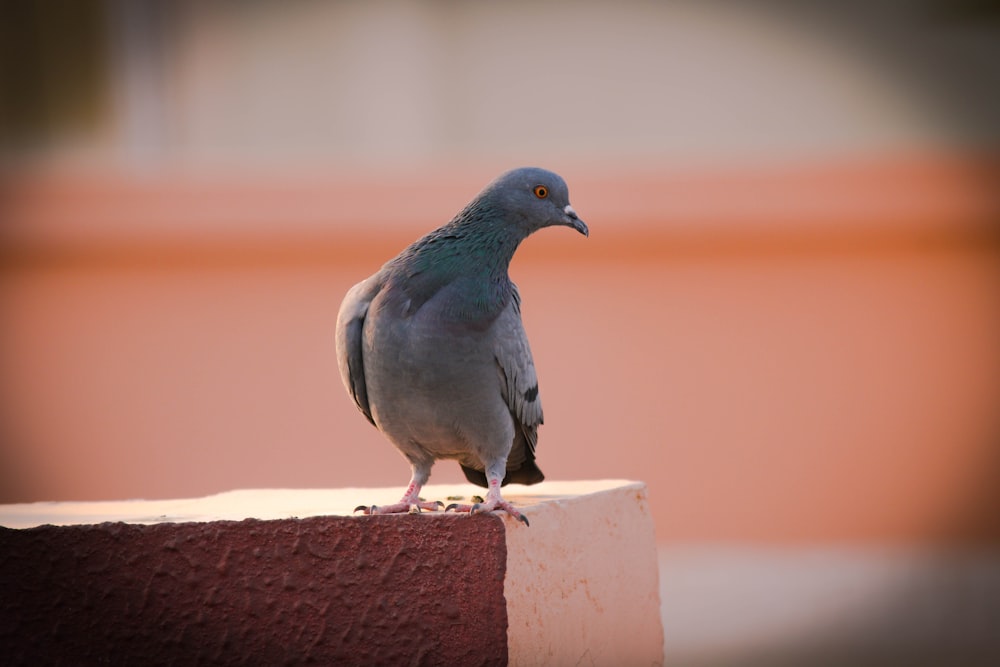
[776,372]
[227,84]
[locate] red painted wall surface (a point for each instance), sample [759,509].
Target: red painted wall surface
[794,354]
[324,590]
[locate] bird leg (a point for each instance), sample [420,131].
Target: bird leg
[493,501]
[410,502]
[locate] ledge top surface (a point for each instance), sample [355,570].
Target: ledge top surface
[282,503]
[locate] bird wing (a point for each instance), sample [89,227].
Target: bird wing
[350,328]
[519,389]
[519,383]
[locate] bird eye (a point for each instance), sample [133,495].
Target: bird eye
[541,191]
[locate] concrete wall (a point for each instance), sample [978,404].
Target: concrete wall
[291,576]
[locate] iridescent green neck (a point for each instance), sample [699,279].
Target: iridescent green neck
[477,242]
[474,252]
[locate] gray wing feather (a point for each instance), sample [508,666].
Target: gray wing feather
[519,383]
[350,330]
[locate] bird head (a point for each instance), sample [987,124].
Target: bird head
[534,198]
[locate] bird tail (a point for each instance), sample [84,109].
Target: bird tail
[527,473]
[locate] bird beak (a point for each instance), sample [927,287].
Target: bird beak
[575,222]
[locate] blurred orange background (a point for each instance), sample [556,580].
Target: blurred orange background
[786,320]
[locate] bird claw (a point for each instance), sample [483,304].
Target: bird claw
[502,505]
[417,508]
[367,509]
[484,507]
[457,507]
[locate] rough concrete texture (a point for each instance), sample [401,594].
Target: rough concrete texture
[334,590]
[579,584]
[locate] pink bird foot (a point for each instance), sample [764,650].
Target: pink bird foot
[410,503]
[401,507]
[493,502]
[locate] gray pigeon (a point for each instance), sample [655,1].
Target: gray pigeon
[432,349]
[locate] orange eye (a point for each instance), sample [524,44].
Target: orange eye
[541,191]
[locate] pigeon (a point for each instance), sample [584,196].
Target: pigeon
[432,350]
